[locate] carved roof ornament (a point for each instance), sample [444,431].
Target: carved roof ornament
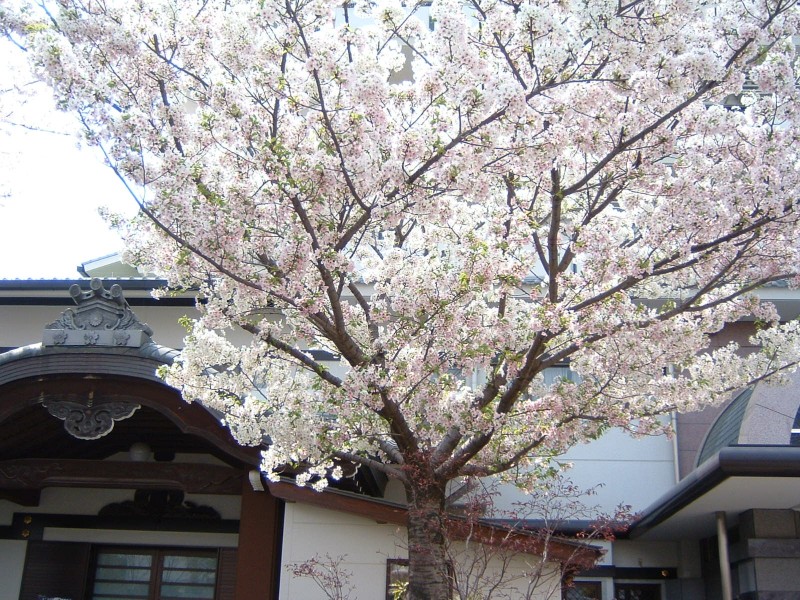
[102,318]
[161,504]
[89,421]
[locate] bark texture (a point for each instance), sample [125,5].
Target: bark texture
[429,575]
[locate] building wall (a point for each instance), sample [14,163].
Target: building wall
[762,414]
[364,547]
[771,413]
[767,555]
[23,325]
[764,553]
[12,560]
[767,420]
[623,469]
[615,469]
[74,501]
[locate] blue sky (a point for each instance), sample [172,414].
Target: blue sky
[50,188]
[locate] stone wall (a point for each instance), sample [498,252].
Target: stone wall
[767,555]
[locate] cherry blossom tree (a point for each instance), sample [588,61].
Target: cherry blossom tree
[451,199]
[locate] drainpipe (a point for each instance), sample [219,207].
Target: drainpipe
[724,561]
[676,467]
[254,476]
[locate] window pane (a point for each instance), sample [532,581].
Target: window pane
[206,577]
[187,591]
[637,591]
[124,560]
[120,575]
[584,590]
[396,579]
[147,574]
[555,374]
[190,562]
[123,589]
[106,573]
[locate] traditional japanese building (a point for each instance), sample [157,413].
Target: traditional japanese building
[111,486]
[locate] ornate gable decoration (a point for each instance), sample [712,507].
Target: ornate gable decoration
[102,318]
[89,421]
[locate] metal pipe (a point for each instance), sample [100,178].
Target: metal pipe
[676,466]
[724,560]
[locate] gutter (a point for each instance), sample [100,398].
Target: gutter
[50,292]
[52,285]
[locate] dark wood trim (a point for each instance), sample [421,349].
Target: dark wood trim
[376,510]
[657,573]
[55,569]
[21,497]
[100,376]
[23,301]
[260,539]
[30,474]
[31,526]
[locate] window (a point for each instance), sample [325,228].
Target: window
[584,590]
[622,590]
[558,373]
[794,439]
[397,578]
[725,430]
[147,574]
[637,591]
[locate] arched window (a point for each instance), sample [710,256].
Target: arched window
[794,440]
[725,431]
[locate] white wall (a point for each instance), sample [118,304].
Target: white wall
[634,471]
[12,559]
[620,468]
[628,553]
[23,325]
[365,547]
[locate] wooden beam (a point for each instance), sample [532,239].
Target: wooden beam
[31,474]
[485,532]
[377,510]
[21,497]
[258,558]
[57,375]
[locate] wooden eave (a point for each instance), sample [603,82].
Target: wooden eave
[485,532]
[22,480]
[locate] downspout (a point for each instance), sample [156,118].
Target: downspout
[673,423]
[676,467]
[724,560]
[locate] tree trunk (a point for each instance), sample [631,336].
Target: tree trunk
[429,575]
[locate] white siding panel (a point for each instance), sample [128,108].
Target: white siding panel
[365,546]
[12,561]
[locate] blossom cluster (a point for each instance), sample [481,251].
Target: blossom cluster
[450,200]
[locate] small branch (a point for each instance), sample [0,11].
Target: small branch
[300,356]
[390,470]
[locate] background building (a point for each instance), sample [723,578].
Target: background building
[111,484]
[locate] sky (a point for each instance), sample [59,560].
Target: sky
[50,187]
